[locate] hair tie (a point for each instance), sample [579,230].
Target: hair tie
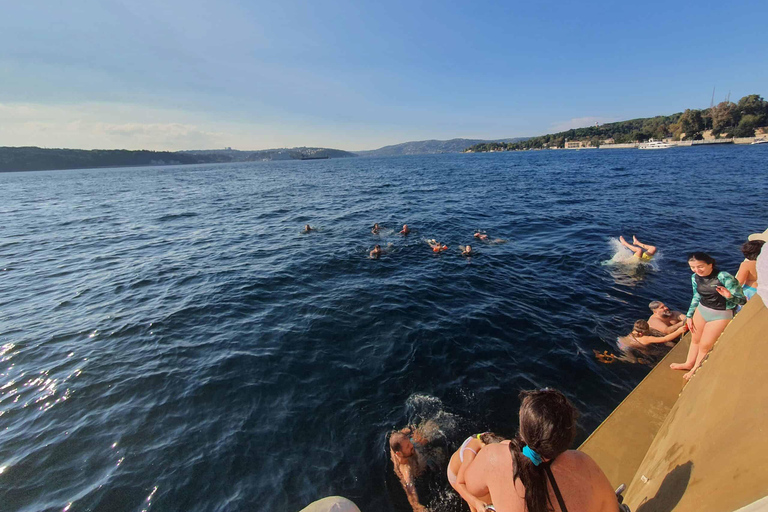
[531,454]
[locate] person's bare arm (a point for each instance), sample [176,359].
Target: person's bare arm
[655,323]
[649,340]
[743,274]
[405,475]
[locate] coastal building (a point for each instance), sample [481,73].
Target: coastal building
[574,144]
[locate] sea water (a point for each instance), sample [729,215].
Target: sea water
[170,340]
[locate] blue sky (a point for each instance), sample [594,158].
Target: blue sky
[359,75]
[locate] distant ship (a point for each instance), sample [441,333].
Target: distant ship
[654,144]
[760,141]
[309,157]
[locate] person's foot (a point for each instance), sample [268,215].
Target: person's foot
[688,375]
[621,239]
[634,240]
[681,366]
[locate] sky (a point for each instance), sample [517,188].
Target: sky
[356,75]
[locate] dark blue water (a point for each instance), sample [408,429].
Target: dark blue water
[170,341]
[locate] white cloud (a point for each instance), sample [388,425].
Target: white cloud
[102,126]
[579,122]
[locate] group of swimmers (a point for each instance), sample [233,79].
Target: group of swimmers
[437,247]
[535,468]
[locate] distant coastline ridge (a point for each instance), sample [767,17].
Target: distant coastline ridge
[32,158]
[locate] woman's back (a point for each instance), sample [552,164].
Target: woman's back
[583,485]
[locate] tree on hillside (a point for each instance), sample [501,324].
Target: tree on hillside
[724,115]
[747,126]
[692,124]
[754,105]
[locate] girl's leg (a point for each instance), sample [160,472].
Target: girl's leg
[712,332]
[650,249]
[693,350]
[638,251]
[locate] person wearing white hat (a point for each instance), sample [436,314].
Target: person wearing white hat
[762,265]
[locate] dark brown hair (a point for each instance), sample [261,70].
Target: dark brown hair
[547,426]
[642,327]
[702,256]
[752,249]
[490,438]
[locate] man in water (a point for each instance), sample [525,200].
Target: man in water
[376,252]
[466,250]
[307,229]
[375,229]
[412,451]
[664,320]
[481,236]
[405,230]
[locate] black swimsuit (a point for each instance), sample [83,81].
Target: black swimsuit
[554,487]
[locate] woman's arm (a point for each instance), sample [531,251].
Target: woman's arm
[732,285]
[743,273]
[696,298]
[649,340]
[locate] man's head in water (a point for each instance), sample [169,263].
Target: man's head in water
[400,444]
[659,309]
[307,228]
[467,250]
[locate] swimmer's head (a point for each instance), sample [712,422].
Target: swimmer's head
[701,263]
[400,444]
[642,327]
[490,438]
[751,250]
[377,248]
[468,248]
[659,306]
[307,228]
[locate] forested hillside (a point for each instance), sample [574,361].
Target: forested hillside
[727,119]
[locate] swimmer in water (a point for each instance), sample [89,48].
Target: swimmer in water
[376,252]
[375,229]
[466,250]
[307,229]
[405,230]
[485,238]
[643,252]
[437,246]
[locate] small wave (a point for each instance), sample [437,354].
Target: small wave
[174,216]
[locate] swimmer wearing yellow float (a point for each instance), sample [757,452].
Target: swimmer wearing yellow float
[643,252]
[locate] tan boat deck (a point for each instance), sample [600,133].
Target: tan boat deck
[706,449]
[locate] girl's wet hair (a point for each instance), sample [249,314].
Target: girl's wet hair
[642,327]
[702,256]
[547,426]
[490,438]
[751,250]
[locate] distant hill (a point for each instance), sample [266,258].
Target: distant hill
[234,155]
[429,147]
[32,158]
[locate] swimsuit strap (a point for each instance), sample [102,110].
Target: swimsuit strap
[554,487]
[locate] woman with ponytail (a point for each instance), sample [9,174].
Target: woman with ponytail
[535,471]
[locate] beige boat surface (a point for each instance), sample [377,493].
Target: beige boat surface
[706,449]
